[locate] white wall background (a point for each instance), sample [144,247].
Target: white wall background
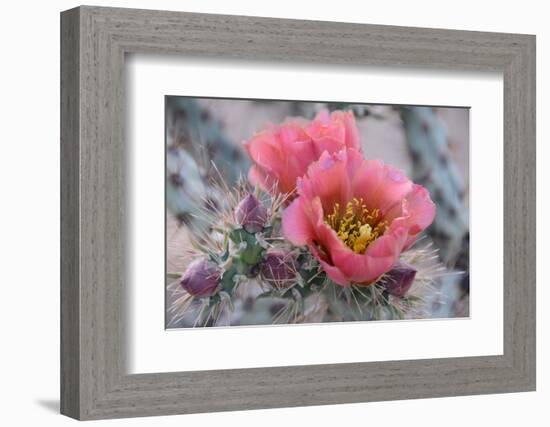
[29,213]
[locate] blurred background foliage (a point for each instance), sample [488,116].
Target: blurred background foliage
[430,144]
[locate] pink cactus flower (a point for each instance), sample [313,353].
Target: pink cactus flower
[356,216]
[282,153]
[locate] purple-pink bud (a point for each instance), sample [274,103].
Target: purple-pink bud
[279,268]
[202,278]
[251,214]
[399,279]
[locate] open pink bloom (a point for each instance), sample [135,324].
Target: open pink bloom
[356,216]
[282,153]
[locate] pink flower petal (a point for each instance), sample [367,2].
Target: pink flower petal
[333,272]
[380,186]
[264,150]
[328,179]
[352,133]
[283,153]
[421,213]
[421,209]
[297,227]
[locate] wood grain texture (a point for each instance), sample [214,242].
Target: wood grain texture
[70,297]
[94,381]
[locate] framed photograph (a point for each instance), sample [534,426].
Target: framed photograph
[240,247]
[282,213]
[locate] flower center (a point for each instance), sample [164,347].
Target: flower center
[357,226]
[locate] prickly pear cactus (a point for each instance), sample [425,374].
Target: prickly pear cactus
[255,267]
[244,272]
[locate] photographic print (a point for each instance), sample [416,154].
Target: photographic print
[297,212]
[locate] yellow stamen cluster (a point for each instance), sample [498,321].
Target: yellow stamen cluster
[357,226]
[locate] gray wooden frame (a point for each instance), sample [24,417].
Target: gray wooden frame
[94,41]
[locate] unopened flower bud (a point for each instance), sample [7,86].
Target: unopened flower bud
[251,214]
[399,279]
[202,278]
[279,268]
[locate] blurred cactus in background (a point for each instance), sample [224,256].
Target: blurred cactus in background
[194,143]
[434,168]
